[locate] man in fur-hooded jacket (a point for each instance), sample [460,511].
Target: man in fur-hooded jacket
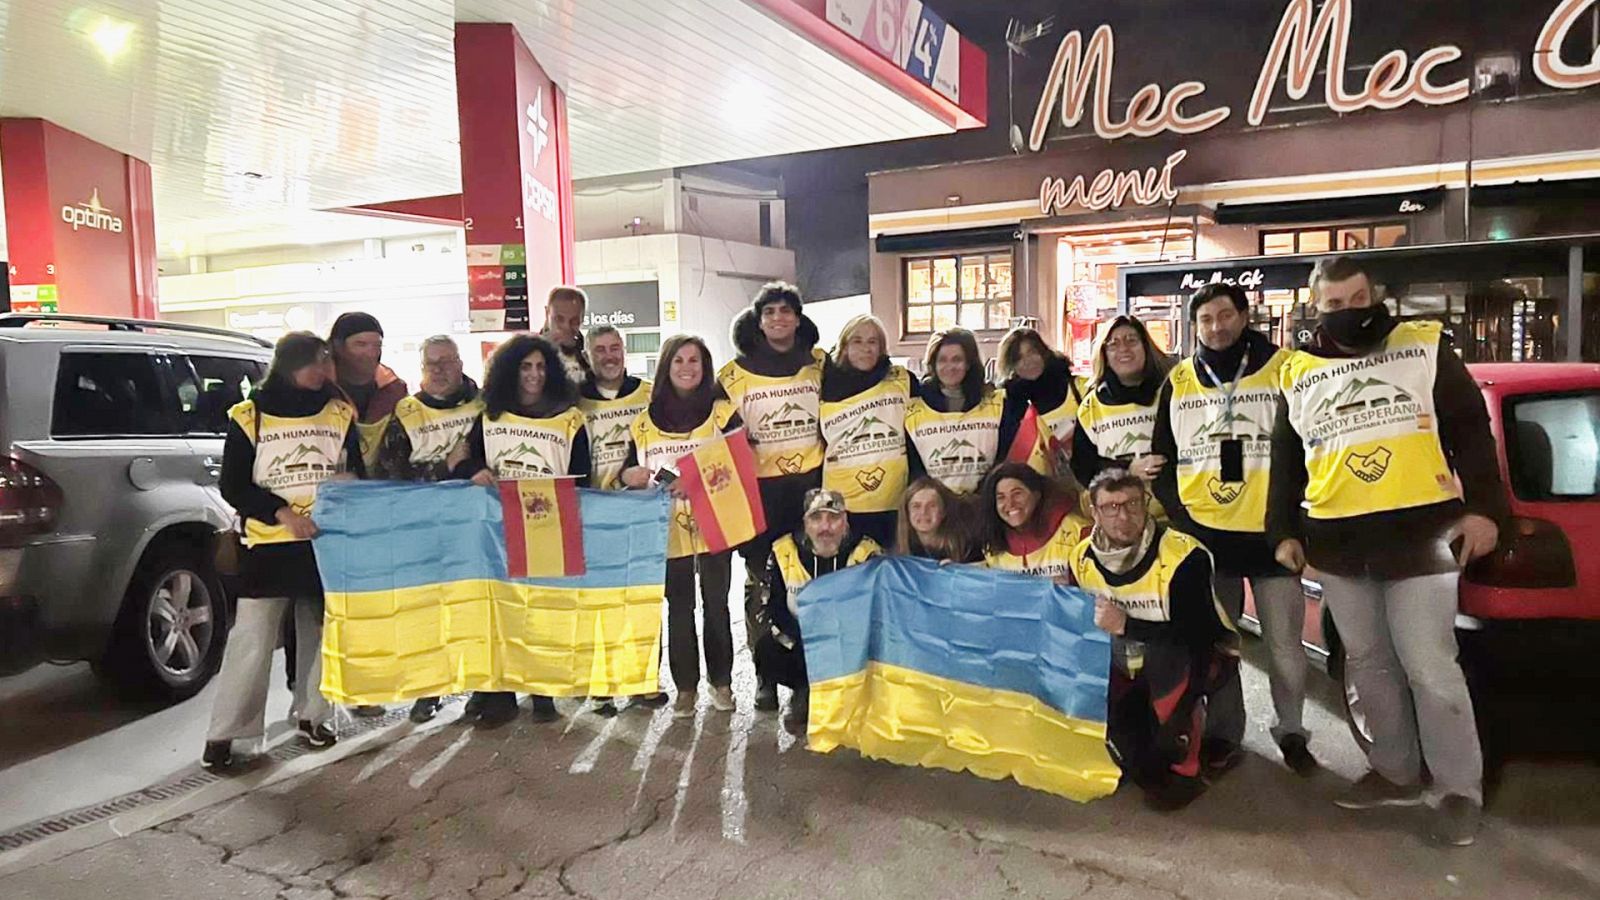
[776,382]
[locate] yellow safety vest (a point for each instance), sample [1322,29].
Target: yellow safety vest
[659,449]
[293,456]
[1148,599]
[609,421]
[781,414]
[519,447]
[435,432]
[957,448]
[866,444]
[370,436]
[1369,428]
[1051,560]
[1201,420]
[795,575]
[1120,431]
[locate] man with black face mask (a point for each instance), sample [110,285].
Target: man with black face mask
[1385,479]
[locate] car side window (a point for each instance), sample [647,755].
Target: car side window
[105,394]
[210,386]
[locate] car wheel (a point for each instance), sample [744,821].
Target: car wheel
[173,626]
[1355,713]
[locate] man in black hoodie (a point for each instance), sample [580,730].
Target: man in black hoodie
[1214,421]
[1386,480]
[775,382]
[426,427]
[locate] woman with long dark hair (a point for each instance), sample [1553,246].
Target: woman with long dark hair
[1030,522]
[863,407]
[1117,420]
[953,424]
[1035,376]
[931,525]
[294,433]
[687,410]
[531,428]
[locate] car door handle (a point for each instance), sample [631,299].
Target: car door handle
[213,466]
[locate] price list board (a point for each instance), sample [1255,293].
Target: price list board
[497,287]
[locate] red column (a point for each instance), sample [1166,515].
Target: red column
[80,223]
[516,184]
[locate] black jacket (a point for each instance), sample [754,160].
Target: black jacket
[275,570]
[777,605]
[1045,393]
[1086,459]
[1234,553]
[1402,543]
[578,463]
[1194,619]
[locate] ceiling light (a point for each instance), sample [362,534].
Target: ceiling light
[179,245]
[746,104]
[110,37]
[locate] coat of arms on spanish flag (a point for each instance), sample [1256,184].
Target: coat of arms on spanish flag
[720,481]
[1035,445]
[544,531]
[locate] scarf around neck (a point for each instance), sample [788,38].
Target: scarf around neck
[1120,560]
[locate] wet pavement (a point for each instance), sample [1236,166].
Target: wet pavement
[730,805]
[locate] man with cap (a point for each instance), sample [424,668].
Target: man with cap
[822,545]
[563,326]
[1214,417]
[775,383]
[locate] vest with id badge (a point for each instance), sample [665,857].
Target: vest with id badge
[1224,440]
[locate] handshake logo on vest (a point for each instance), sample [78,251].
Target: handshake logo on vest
[1224,491]
[1369,467]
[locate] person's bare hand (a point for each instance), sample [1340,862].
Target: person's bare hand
[636,477]
[1148,467]
[299,525]
[484,478]
[1478,534]
[1291,554]
[1109,617]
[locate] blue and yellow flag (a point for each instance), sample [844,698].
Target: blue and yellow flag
[961,668]
[419,603]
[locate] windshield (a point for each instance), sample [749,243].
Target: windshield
[1553,446]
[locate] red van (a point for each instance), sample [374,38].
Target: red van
[1529,613]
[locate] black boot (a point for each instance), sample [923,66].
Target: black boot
[544,709]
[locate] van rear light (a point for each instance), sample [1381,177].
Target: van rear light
[1532,553]
[29,502]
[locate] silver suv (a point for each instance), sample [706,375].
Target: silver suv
[111,434]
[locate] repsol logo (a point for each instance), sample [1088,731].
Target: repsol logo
[91,214]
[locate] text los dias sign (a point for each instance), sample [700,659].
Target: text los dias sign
[1079,86]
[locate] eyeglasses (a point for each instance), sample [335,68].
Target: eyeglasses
[1124,341]
[1112,510]
[442,364]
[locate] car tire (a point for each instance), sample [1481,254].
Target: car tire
[173,626]
[1354,712]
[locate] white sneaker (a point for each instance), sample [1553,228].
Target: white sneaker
[722,698]
[683,705]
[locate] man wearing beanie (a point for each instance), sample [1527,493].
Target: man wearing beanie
[776,383]
[1214,418]
[371,386]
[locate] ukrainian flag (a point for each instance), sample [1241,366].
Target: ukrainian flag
[962,668]
[419,603]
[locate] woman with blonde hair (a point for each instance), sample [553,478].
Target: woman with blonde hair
[1116,421]
[864,399]
[933,525]
[954,421]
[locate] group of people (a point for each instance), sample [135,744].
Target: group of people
[1159,487]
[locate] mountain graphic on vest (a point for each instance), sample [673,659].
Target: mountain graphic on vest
[790,415]
[1360,394]
[1234,425]
[961,452]
[304,458]
[616,437]
[522,461]
[871,428]
[1128,446]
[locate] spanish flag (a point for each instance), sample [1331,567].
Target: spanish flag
[1035,445]
[720,480]
[962,668]
[544,532]
[420,604]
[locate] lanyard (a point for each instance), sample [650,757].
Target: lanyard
[1232,386]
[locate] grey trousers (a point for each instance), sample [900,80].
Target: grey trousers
[1400,653]
[240,709]
[1281,607]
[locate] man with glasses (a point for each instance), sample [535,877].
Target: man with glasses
[1172,644]
[425,428]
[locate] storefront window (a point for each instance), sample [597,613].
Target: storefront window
[1332,239]
[972,290]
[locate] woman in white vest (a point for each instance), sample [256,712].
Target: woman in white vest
[863,406]
[531,428]
[686,411]
[1117,420]
[293,434]
[954,421]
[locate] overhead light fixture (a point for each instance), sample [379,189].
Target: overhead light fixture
[179,246]
[110,37]
[747,105]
